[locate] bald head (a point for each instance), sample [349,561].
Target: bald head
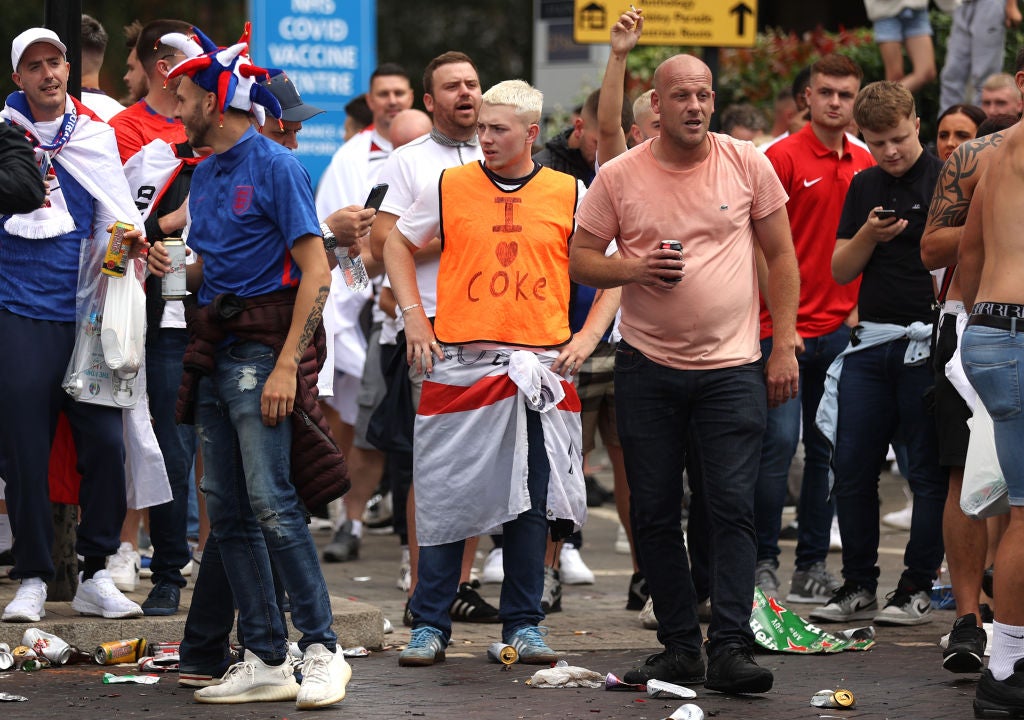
[409,125]
[684,100]
[677,68]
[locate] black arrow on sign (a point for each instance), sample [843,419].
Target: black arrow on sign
[741,10]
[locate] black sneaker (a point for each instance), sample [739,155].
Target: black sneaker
[344,546]
[668,666]
[988,580]
[965,652]
[732,670]
[468,606]
[638,592]
[1000,698]
[163,599]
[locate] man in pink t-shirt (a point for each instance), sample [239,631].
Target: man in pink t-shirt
[690,352]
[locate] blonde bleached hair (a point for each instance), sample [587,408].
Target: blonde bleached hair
[527,100]
[642,105]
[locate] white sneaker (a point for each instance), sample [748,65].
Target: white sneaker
[99,596]
[252,680]
[404,573]
[124,566]
[835,540]
[494,567]
[324,677]
[621,541]
[187,570]
[572,568]
[28,602]
[647,618]
[900,519]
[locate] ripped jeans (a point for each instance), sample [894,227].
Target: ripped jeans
[254,510]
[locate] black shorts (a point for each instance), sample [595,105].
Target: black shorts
[951,412]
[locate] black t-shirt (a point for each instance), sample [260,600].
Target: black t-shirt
[895,286]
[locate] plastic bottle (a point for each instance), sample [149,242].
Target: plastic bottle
[353,270]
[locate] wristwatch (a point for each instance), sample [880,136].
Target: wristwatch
[330,242]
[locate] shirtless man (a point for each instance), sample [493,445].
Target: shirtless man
[965,538]
[991,260]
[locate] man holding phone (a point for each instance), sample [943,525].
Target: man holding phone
[884,374]
[353,171]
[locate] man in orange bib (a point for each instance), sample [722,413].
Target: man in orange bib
[502,320]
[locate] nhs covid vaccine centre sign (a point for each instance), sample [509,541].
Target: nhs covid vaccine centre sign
[328,48]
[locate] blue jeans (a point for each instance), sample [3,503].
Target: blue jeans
[780,442]
[994,362]
[255,513]
[525,540]
[205,644]
[878,394]
[725,409]
[168,523]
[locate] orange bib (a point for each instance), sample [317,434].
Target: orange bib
[504,269]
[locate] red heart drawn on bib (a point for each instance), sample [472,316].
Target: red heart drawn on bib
[506,252]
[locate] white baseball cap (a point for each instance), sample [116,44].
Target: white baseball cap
[31,36]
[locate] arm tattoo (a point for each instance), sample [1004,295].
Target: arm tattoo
[952,197]
[312,320]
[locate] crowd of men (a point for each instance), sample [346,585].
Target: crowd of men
[702,302]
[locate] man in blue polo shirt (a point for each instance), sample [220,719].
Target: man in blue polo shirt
[258,242]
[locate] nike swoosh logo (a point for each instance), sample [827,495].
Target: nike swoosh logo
[808,183]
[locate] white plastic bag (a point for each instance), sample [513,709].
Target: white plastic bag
[123,333]
[984,490]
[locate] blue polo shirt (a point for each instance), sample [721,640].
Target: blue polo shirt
[249,205]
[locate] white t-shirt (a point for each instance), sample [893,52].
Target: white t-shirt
[409,170]
[354,169]
[102,104]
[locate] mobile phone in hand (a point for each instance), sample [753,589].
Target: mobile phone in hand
[885,214]
[376,196]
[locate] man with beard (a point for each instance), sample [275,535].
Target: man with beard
[451,93]
[261,256]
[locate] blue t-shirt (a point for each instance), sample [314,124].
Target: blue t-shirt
[249,205]
[39,277]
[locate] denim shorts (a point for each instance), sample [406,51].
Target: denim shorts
[909,23]
[994,362]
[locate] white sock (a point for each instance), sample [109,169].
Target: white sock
[6,538]
[1007,648]
[357,528]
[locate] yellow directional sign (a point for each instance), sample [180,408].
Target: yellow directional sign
[712,23]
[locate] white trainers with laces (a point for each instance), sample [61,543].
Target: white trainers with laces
[324,677]
[28,603]
[124,566]
[572,568]
[252,680]
[99,596]
[494,567]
